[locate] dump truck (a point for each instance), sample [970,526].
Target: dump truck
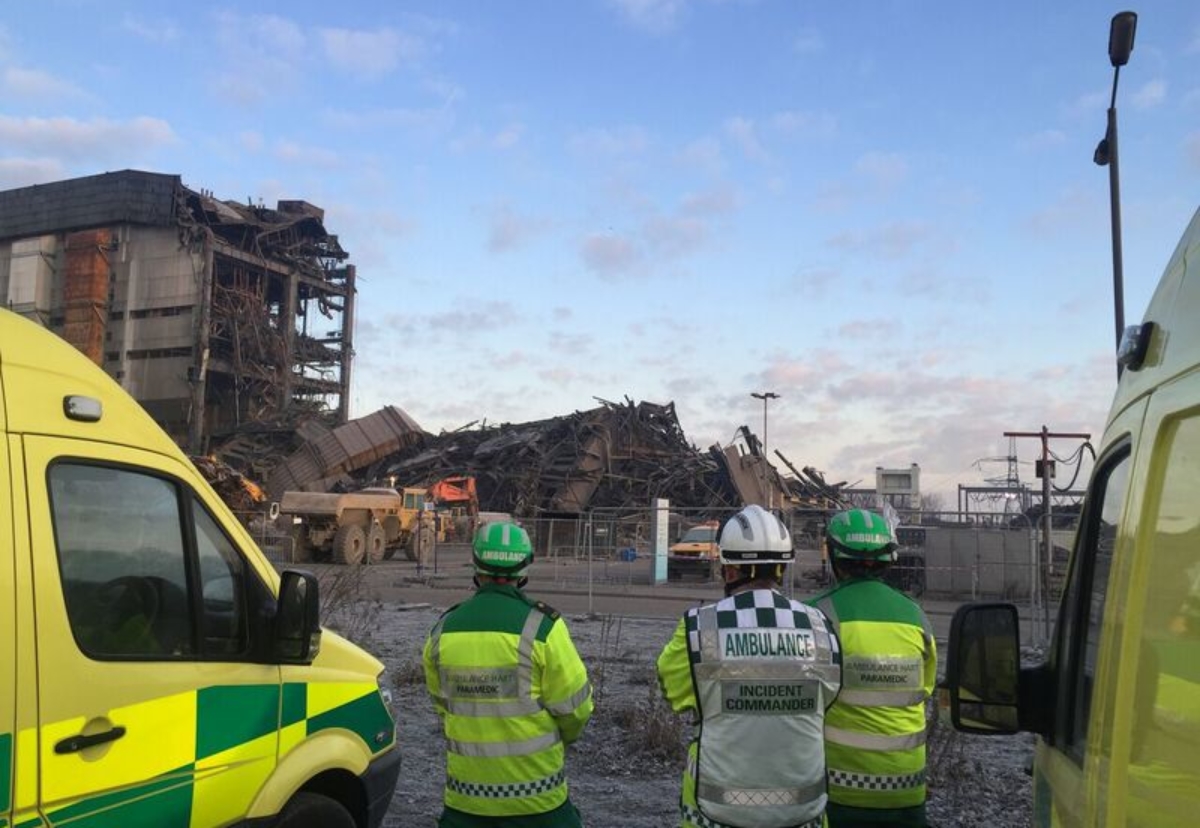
[696,553]
[367,526]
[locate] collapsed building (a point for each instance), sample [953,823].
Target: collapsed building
[230,323]
[617,456]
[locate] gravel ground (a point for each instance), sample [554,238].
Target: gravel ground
[625,771]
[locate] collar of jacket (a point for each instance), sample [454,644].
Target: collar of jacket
[503,589]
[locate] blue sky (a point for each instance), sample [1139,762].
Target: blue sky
[885,212]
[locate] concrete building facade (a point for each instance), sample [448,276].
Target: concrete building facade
[222,319]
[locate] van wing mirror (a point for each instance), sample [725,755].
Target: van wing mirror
[297,638]
[983,669]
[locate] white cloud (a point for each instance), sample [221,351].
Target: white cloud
[622,140]
[703,154]
[885,169]
[1073,210]
[1088,104]
[267,36]
[655,16]
[251,141]
[893,240]
[35,84]
[1151,94]
[608,255]
[743,134]
[1192,149]
[1044,140]
[805,124]
[369,54]
[262,57]
[293,153]
[674,236]
[715,201]
[23,172]
[94,141]
[881,329]
[508,229]
[814,281]
[808,42]
[155,31]
[508,137]
[428,123]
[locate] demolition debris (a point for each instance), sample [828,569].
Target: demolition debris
[615,456]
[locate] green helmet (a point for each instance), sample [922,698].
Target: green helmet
[502,549]
[860,535]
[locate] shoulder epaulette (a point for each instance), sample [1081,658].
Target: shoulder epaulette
[546,609]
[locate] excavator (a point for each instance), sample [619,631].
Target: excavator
[457,502]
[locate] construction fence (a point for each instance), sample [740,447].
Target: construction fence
[944,559]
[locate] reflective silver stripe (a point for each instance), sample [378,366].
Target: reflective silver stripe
[873,741]
[525,653]
[435,655]
[710,638]
[876,782]
[494,749]
[567,706]
[826,606]
[881,698]
[483,710]
[692,815]
[761,796]
[506,790]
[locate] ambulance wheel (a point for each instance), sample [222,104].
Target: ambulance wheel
[310,810]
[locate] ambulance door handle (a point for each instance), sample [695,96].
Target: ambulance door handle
[74,744]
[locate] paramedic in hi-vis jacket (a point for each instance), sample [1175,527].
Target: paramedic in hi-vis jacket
[875,733]
[758,671]
[512,693]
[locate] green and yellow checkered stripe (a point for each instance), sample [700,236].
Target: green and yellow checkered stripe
[240,730]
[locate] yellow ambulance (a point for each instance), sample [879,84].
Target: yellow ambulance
[1117,704]
[155,670]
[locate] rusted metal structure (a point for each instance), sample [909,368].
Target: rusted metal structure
[231,323]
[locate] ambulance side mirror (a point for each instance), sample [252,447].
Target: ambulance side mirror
[984,669]
[297,637]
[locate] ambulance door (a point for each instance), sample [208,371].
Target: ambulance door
[155,709]
[1070,760]
[8,641]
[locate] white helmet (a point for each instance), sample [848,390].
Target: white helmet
[755,536]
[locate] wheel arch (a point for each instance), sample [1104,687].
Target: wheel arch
[330,763]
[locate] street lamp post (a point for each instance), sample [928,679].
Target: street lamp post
[765,396]
[1120,45]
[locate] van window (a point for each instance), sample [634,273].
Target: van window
[1164,763]
[223,587]
[1084,600]
[121,553]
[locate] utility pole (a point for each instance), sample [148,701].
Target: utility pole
[1045,567]
[1120,44]
[765,396]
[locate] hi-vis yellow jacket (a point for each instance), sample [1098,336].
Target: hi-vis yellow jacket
[875,731]
[512,693]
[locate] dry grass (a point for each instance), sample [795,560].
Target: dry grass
[347,607]
[650,728]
